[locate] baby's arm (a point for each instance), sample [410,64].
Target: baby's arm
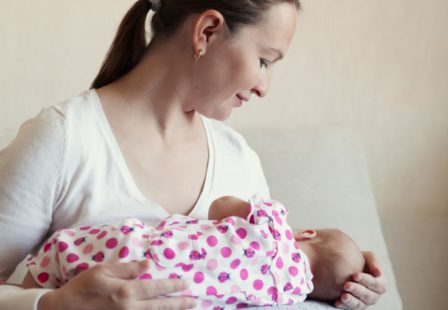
[228,206]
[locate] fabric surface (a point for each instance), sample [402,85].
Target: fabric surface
[231,262]
[65,169]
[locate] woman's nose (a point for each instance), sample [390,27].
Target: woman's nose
[262,87]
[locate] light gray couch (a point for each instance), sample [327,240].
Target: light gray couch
[322,177]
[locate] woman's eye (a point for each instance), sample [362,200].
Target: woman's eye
[263,63]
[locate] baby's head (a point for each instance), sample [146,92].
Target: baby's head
[333,257]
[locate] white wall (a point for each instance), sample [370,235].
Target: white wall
[379,67]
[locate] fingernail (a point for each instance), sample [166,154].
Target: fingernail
[344,297]
[347,286]
[357,277]
[338,304]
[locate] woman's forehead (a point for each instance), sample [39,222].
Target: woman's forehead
[275,31]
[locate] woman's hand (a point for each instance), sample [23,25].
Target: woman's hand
[115,286]
[366,288]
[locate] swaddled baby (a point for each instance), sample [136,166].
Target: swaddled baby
[244,254]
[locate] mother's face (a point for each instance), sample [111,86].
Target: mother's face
[240,65]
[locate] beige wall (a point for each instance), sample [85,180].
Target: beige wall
[379,67]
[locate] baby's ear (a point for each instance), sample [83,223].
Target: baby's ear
[305,234]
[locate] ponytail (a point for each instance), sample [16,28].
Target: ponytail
[128,46]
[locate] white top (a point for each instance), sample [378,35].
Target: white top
[65,169]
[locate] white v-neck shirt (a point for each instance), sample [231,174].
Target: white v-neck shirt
[65,169]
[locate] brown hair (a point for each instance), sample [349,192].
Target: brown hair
[130,42]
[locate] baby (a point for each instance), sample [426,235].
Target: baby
[244,254]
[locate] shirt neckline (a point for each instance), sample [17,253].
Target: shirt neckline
[199,206]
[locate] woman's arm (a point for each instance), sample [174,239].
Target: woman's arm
[228,206]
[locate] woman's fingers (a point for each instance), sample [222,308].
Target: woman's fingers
[349,302]
[149,289]
[375,284]
[362,293]
[125,271]
[372,263]
[173,303]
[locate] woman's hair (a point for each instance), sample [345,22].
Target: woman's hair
[130,42]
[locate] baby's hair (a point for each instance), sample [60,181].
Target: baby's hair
[336,263]
[130,41]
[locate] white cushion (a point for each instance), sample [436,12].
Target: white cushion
[321,176]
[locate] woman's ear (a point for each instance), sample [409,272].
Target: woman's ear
[305,234]
[205,27]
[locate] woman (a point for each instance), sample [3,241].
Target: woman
[145,136]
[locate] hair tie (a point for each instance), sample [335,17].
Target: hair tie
[155,4]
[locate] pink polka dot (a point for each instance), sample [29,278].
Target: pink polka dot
[72,257]
[111,243]
[87,249]
[289,234]
[124,252]
[69,232]
[235,289]
[244,274]
[206,303]
[235,239]
[235,263]
[94,231]
[137,242]
[258,284]
[169,253]
[242,232]
[293,271]
[198,277]
[212,264]
[255,245]
[205,227]
[286,248]
[43,277]
[82,266]
[85,228]
[231,300]
[101,235]
[226,252]
[278,220]
[212,241]
[145,276]
[45,261]
[279,263]
[62,246]
[211,290]
[183,245]
[47,247]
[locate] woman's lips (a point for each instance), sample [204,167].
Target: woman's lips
[240,100]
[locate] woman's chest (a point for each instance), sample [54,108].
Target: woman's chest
[173,180]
